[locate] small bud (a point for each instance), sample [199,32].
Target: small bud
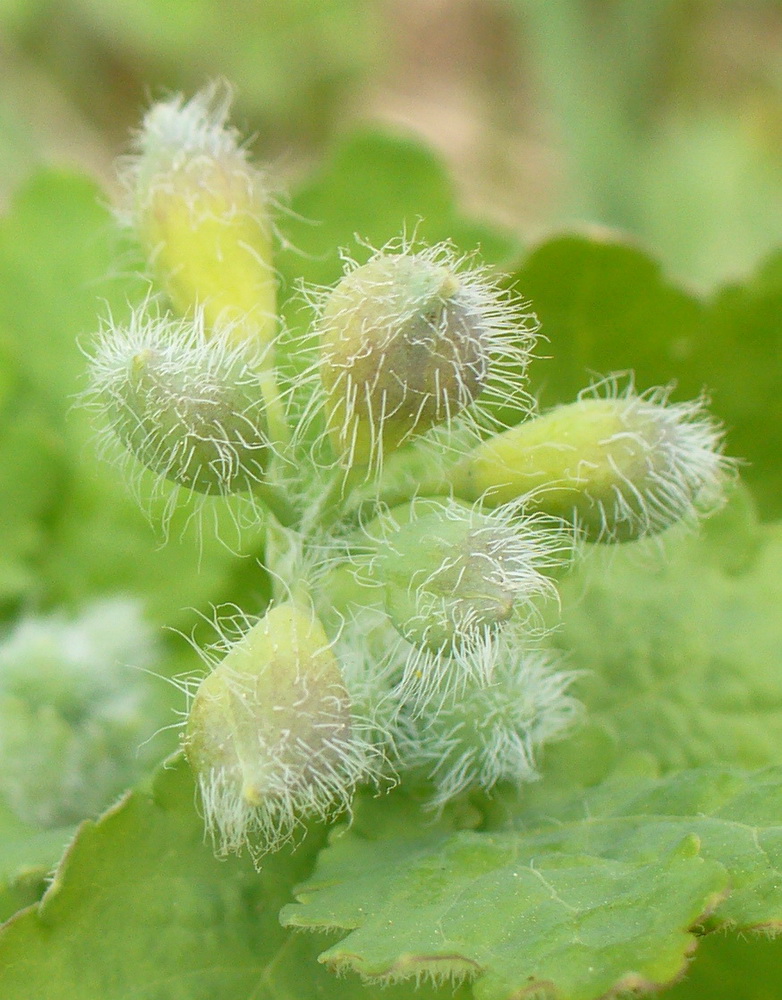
[409,341]
[189,407]
[493,732]
[270,734]
[619,468]
[201,211]
[451,573]
[77,707]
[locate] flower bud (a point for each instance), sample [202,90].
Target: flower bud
[451,573]
[201,211]
[485,733]
[77,707]
[190,408]
[619,468]
[407,342]
[270,734]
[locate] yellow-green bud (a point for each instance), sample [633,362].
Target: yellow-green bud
[619,468]
[201,211]
[269,735]
[407,341]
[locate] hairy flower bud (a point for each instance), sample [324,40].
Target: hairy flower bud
[485,733]
[451,573]
[270,734]
[202,212]
[77,707]
[189,407]
[407,341]
[619,467]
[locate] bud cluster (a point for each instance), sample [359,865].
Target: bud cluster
[411,537]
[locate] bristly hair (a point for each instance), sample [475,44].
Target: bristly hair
[174,132]
[492,732]
[265,769]
[481,341]
[185,404]
[680,446]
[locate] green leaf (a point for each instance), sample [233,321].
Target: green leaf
[27,855]
[606,306]
[680,646]
[738,357]
[379,187]
[505,911]
[31,476]
[587,893]
[141,908]
[736,816]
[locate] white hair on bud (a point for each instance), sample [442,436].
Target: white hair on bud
[479,341]
[487,733]
[187,405]
[679,447]
[197,125]
[261,790]
[176,133]
[494,578]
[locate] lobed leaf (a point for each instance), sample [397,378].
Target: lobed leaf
[503,910]
[575,897]
[141,908]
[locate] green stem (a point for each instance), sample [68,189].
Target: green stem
[276,500]
[283,559]
[279,431]
[333,502]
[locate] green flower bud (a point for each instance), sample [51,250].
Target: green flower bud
[77,707]
[408,341]
[450,573]
[270,734]
[190,408]
[201,211]
[619,468]
[486,733]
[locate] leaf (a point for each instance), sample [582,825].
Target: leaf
[680,647]
[379,187]
[141,908]
[738,356]
[502,909]
[736,816]
[584,895]
[27,855]
[606,306]
[31,476]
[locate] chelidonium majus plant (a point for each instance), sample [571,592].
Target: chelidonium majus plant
[412,538]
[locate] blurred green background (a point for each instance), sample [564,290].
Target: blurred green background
[662,118]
